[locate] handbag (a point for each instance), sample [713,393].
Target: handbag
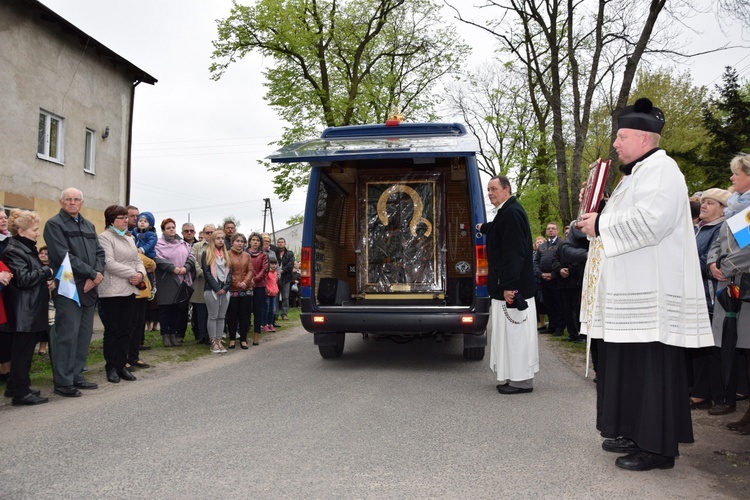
[183,293]
[295,288]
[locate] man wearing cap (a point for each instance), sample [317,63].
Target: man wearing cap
[644,298]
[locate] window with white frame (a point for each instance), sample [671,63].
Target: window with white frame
[50,141]
[88,155]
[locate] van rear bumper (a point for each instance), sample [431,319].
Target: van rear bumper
[395,320]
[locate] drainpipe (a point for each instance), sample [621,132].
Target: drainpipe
[128,166]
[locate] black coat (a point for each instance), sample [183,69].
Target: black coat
[572,254]
[27,295]
[510,252]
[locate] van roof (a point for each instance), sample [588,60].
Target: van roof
[406,140]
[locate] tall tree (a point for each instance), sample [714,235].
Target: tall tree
[339,62]
[727,119]
[571,49]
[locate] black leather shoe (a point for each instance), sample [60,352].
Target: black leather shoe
[139,364]
[112,376]
[85,384]
[29,399]
[643,460]
[558,333]
[125,374]
[620,445]
[67,391]
[509,389]
[721,409]
[9,392]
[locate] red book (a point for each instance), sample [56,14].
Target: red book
[593,190]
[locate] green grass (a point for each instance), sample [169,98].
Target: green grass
[41,370]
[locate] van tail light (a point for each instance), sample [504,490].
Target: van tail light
[305,267]
[481,265]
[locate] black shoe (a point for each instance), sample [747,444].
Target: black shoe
[112,376]
[126,375]
[700,405]
[721,409]
[144,347]
[620,445]
[643,460]
[547,330]
[542,328]
[67,391]
[509,389]
[9,392]
[139,364]
[29,399]
[85,384]
[558,333]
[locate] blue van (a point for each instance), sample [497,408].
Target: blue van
[388,241]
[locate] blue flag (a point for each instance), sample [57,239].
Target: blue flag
[740,226]
[67,287]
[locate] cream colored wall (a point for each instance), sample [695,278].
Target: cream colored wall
[42,68]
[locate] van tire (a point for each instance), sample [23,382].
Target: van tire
[474,353]
[333,351]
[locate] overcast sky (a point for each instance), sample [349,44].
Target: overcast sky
[196,142]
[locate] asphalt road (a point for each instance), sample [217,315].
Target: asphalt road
[278,421]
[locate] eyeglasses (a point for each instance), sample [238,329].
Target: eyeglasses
[188,230]
[122,217]
[208,232]
[74,200]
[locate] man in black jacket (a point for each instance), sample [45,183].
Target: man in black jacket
[514,349]
[286,266]
[70,233]
[547,270]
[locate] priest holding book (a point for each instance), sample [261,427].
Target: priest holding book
[643,296]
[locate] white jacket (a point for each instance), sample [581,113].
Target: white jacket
[642,281]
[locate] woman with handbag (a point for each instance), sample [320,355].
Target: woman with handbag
[217,271]
[174,268]
[27,299]
[240,291]
[124,273]
[727,262]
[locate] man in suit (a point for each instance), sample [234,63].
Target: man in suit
[547,270]
[70,233]
[514,349]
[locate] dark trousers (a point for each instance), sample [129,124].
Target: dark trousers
[200,317]
[22,352]
[70,341]
[138,331]
[259,302]
[169,318]
[571,301]
[699,372]
[182,319]
[119,317]
[238,312]
[553,302]
[724,394]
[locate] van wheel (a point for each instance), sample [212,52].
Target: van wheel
[474,353]
[333,351]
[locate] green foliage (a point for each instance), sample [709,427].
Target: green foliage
[727,120]
[295,219]
[340,62]
[684,135]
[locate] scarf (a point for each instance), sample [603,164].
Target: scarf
[121,233]
[175,251]
[737,203]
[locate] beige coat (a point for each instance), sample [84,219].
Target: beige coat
[121,262]
[199,283]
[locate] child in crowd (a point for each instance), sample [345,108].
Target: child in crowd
[272,290]
[145,241]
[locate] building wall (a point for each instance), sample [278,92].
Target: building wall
[41,67]
[293,237]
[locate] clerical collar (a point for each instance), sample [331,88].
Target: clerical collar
[628,168]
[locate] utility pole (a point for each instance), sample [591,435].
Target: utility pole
[267,210]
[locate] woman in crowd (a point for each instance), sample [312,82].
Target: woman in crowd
[174,265]
[217,272]
[260,268]
[727,261]
[241,291]
[44,337]
[123,276]
[28,296]
[6,332]
[711,216]
[137,337]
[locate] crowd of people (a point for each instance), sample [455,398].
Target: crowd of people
[49,296]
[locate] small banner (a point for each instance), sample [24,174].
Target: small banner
[67,286]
